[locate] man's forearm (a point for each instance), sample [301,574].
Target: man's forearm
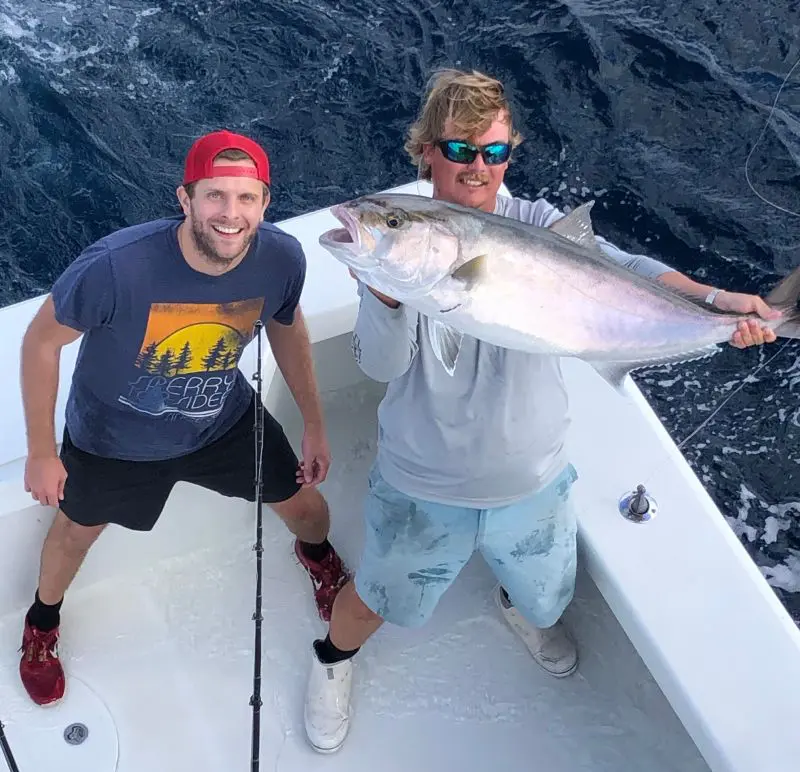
[292,350]
[683,283]
[39,372]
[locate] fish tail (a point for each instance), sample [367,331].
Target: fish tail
[786,297]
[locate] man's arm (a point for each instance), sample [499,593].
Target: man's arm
[292,349]
[41,355]
[384,336]
[724,300]
[749,333]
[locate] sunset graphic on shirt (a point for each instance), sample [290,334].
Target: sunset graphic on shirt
[189,355]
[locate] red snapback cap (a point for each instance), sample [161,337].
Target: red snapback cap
[200,158]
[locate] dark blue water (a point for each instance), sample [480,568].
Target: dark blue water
[651,109]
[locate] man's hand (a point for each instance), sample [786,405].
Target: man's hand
[749,333]
[316,461]
[44,479]
[385,299]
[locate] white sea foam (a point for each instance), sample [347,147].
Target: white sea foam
[786,575]
[8,75]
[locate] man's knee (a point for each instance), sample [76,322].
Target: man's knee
[71,536]
[398,598]
[541,598]
[307,504]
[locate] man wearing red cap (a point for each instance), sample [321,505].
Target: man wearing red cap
[165,309]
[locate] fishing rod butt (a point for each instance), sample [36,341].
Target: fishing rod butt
[6,749]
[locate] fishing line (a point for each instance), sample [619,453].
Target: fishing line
[258,422]
[735,392]
[9,757]
[716,411]
[760,137]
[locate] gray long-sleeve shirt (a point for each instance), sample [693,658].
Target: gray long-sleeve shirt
[490,434]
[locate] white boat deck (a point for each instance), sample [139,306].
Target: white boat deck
[688,660]
[168,649]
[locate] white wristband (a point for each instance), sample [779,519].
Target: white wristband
[712,296]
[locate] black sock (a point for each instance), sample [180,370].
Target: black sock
[328,654]
[44,617]
[315,552]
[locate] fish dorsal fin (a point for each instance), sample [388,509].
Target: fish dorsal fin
[577,227]
[445,342]
[472,271]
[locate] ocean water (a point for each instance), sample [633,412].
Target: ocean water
[652,110]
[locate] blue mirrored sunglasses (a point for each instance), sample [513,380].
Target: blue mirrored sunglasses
[461,152]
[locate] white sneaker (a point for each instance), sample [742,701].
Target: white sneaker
[327,711]
[551,647]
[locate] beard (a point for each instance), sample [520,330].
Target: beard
[202,240]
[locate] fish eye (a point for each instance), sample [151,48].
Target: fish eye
[393,221]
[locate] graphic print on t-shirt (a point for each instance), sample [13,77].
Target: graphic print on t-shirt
[188,359]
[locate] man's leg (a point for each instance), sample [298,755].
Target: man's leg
[63,552]
[352,623]
[412,553]
[97,491]
[531,547]
[307,516]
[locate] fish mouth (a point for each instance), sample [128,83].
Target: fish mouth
[347,237]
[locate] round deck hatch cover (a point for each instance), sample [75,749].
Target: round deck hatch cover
[75,734]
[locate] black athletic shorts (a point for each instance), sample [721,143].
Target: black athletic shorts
[133,493]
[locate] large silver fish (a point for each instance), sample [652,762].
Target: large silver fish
[540,290]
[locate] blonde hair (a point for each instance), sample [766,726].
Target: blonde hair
[470,100]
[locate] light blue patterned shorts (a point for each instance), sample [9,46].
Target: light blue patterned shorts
[414,550]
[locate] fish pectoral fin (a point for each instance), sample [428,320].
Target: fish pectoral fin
[471,272]
[577,227]
[445,342]
[614,372]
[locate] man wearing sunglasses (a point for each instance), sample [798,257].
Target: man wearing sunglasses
[470,461]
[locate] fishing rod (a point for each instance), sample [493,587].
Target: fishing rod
[255,700]
[9,756]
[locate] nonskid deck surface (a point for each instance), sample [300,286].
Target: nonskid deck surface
[167,654]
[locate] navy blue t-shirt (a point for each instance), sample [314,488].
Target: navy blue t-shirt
[157,374]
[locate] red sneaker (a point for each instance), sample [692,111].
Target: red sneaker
[328,577]
[40,669]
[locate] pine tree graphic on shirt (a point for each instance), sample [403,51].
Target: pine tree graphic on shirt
[189,355]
